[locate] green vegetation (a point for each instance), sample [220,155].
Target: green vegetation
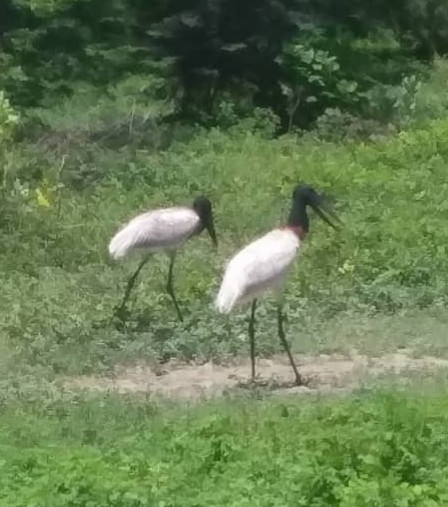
[391,254]
[296,57]
[109,108]
[369,450]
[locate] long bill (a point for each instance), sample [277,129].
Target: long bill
[325,212]
[210,226]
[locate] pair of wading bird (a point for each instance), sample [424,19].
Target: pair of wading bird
[257,268]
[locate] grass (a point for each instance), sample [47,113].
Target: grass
[60,287]
[373,448]
[377,286]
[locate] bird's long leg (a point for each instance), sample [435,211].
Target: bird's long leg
[131,282]
[281,335]
[252,337]
[170,288]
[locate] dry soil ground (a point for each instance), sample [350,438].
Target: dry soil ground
[324,372]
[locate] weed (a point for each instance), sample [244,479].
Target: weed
[370,449]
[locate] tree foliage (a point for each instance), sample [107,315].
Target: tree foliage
[293,56]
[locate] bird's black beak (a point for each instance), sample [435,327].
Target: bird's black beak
[324,210]
[203,207]
[210,226]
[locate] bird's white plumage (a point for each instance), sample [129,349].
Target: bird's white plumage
[260,266]
[161,229]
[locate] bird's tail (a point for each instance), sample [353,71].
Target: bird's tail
[120,244]
[228,295]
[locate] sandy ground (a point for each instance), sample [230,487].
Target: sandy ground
[324,373]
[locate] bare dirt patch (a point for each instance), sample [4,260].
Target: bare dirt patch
[190,381]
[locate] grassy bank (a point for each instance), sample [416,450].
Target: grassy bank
[59,287]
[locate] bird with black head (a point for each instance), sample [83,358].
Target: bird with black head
[163,229]
[263,265]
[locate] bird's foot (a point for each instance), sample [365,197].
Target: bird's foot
[302,382]
[252,383]
[272,384]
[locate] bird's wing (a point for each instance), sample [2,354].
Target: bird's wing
[267,258]
[157,229]
[260,265]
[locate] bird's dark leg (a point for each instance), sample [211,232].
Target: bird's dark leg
[252,337]
[170,289]
[281,335]
[120,310]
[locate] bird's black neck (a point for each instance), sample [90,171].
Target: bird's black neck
[298,218]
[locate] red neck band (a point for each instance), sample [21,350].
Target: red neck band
[297,230]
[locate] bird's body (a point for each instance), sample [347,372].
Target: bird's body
[260,266]
[263,265]
[163,229]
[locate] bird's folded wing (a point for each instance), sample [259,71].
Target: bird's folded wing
[155,229]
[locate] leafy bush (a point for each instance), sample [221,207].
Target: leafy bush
[127,112]
[313,76]
[8,119]
[11,189]
[431,100]
[206,55]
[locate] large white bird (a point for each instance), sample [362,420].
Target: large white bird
[164,229]
[263,264]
